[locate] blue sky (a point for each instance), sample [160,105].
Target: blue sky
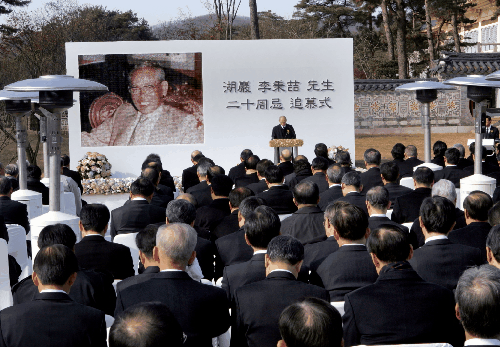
[156,11]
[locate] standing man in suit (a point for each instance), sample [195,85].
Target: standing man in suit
[286,162]
[371,177]
[260,228]
[70,173]
[351,188]
[390,178]
[476,206]
[399,307]
[278,196]
[239,170]
[451,171]
[189,175]
[261,185]
[201,310]
[53,318]
[334,176]
[411,161]
[407,206]
[350,267]
[439,260]
[283,130]
[259,304]
[491,131]
[136,213]
[94,252]
[13,212]
[478,305]
[319,166]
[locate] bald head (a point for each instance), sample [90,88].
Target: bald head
[175,245]
[188,197]
[282,120]
[286,155]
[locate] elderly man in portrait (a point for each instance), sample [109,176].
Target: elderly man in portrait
[148,121]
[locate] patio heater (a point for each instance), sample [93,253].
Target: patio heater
[19,104]
[55,97]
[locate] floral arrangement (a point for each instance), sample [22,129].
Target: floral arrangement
[332,151]
[94,166]
[106,186]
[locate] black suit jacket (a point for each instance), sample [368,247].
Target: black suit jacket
[279,198]
[473,235]
[286,133]
[407,206]
[464,162]
[190,177]
[134,216]
[201,310]
[406,169]
[14,212]
[314,254]
[205,255]
[39,187]
[396,190]
[147,274]
[14,181]
[75,176]
[202,194]
[227,226]
[400,308]
[320,179]
[91,288]
[166,179]
[246,180]
[231,249]
[356,199]
[259,305]
[451,173]
[345,270]
[208,217]
[258,187]
[443,262]
[95,253]
[487,168]
[52,319]
[4,234]
[492,134]
[306,224]
[286,167]
[237,171]
[370,179]
[237,275]
[333,193]
[438,160]
[162,196]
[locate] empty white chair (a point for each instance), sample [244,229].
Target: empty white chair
[5,293]
[339,305]
[17,248]
[283,216]
[408,225]
[407,182]
[129,241]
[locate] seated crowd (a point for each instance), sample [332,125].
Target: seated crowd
[264,254]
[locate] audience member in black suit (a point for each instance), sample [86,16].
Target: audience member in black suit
[407,206]
[343,158]
[13,212]
[399,307]
[371,178]
[52,318]
[377,203]
[208,217]
[440,261]
[190,175]
[201,191]
[445,189]
[462,162]
[318,167]
[166,178]
[233,249]
[476,206]
[278,196]
[158,327]
[478,305]
[145,241]
[91,288]
[451,172]
[94,252]
[286,164]
[493,247]
[334,175]
[181,211]
[283,130]
[136,213]
[439,148]
[310,323]
[250,172]
[350,267]
[398,155]
[306,224]
[34,175]
[301,170]
[12,172]
[351,187]
[390,178]
[70,173]
[162,194]
[259,304]
[411,161]
[321,150]
[239,170]
[260,186]
[260,228]
[486,166]
[201,310]
[230,223]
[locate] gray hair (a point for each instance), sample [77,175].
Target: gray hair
[335,173]
[203,167]
[460,148]
[180,211]
[352,179]
[478,299]
[378,197]
[445,189]
[411,151]
[177,242]
[11,170]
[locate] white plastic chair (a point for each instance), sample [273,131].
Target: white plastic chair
[339,305]
[284,216]
[129,241]
[5,293]
[407,182]
[68,203]
[17,248]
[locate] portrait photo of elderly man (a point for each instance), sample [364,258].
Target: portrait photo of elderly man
[165,107]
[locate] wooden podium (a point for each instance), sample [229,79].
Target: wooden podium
[294,143]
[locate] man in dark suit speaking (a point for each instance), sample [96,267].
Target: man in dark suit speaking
[491,131]
[283,131]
